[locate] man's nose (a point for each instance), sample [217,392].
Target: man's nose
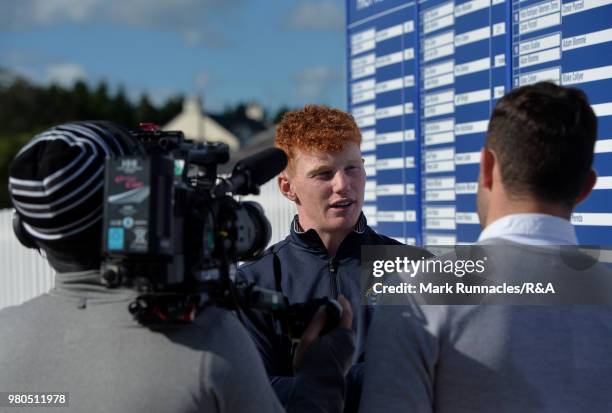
[341,182]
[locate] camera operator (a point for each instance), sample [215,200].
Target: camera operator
[80,337]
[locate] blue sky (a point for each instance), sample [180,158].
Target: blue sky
[271,51]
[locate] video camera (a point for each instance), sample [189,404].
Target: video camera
[173,230]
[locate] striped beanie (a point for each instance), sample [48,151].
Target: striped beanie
[56,181]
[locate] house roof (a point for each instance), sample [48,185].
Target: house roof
[259,142]
[234,123]
[201,127]
[240,125]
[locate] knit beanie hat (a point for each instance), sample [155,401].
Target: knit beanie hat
[56,181]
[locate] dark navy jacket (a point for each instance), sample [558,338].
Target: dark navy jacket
[306,272]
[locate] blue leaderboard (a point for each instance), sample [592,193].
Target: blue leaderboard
[423,77]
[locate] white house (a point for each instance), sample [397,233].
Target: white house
[200,127]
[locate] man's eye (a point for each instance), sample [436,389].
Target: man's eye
[322,175]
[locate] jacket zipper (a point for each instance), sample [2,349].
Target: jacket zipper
[333,275]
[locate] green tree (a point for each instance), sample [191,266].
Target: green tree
[9,146]
[146,112]
[101,103]
[172,107]
[27,109]
[20,107]
[122,110]
[280,112]
[80,102]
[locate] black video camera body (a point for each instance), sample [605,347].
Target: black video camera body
[172,229]
[167,223]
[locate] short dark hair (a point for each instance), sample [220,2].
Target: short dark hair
[544,137]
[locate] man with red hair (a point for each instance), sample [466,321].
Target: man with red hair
[325,178]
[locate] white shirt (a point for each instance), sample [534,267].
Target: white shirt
[531,229]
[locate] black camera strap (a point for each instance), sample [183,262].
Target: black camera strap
[283,339]
[277,273]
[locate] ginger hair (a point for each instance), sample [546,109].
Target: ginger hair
[315,128]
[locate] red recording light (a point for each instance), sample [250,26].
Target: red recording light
[148,126]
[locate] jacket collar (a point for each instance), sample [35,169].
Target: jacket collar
[310,239]
[88,285]
[531,229]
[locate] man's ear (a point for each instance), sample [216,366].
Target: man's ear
[487,165]
[588,186]
[284,185]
